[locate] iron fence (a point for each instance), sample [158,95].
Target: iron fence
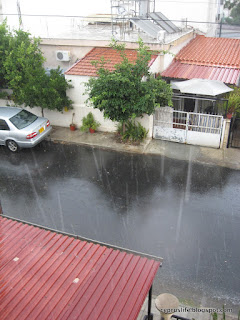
[234,135]
[192,121]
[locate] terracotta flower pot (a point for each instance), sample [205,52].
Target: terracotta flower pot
[72,127]
[91,130]
[229,115]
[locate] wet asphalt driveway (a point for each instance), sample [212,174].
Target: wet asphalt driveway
[184,212]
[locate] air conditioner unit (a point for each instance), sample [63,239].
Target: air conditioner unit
[63,55]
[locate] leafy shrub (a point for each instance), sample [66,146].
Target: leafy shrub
[234,101]
[4,95]
[134,132]
[89,122]
[120,128]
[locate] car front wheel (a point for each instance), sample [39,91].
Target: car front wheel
[12,146]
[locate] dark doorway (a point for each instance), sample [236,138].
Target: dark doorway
[189,105]
[234,137]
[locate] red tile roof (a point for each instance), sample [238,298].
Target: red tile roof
[178,70]
[211,52]
[112,57]
[45,275]
[207,58]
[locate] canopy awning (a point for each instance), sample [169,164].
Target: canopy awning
[201,87]
[46,275]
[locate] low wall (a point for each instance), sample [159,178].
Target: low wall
[225,133]
[64,118]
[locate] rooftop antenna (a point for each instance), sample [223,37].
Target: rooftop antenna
[122,11]
[19,15]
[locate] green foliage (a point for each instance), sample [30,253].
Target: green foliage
[23,68]
[23,72]
[230,4]
[162,92]
[234,101]
[53,93]
[3,95]
[215,316]
[235,12]
[4,46]
[122,94]
[224,314]
[89,122]
[134,131]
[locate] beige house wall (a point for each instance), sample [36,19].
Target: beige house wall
[79,48]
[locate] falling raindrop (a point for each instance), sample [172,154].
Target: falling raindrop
[60,211]
[189,176]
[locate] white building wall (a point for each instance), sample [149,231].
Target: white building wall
[52,26]
[195,12]
[81,109]
[155,67]
[59,26]
[173,50]
[1,17]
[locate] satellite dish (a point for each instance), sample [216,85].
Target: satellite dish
[121,10]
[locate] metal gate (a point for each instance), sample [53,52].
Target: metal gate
[234,136]
[188,127]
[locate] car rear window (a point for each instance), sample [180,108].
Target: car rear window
[23,119]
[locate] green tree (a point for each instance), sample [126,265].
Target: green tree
[53,91]
[229,4]
[23,67]
[122,94]
[234,17]
[25,75]
[234,101]
[4,45]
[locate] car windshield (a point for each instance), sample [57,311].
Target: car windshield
[23,119]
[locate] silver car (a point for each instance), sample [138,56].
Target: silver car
[20,128]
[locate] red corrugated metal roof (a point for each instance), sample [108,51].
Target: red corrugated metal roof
[178,70]
[207,58]
[45,275]
[112,57]
[211,52]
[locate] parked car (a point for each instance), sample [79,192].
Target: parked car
[20,128]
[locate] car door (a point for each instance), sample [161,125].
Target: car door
[4,131]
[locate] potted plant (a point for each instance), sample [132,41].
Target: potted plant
[233,102]
[230,112]
[72,125]
[89,123]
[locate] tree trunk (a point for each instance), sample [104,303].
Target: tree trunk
[123,127]
[42,113]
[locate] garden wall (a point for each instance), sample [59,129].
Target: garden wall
[81,109]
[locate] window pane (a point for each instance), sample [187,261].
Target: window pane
[3,125]
[23,119]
